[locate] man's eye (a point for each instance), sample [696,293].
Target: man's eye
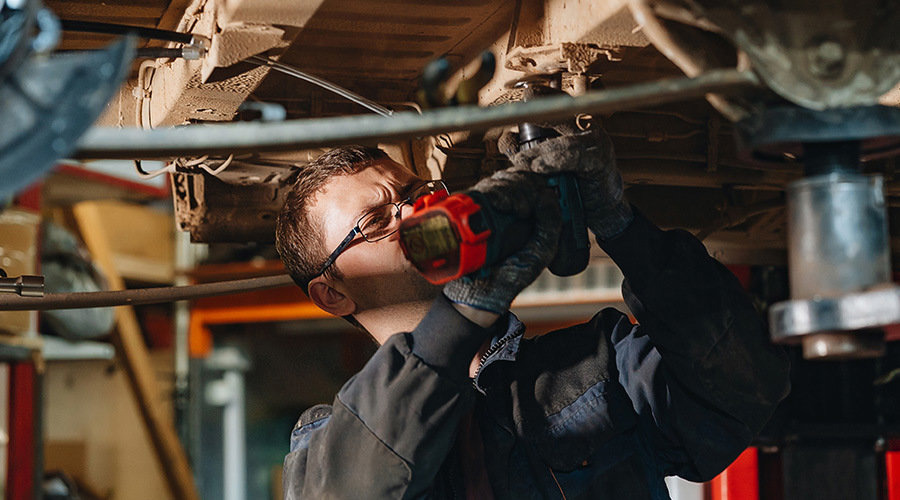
[378,220]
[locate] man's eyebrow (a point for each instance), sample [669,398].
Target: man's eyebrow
[384,196]
[409,187]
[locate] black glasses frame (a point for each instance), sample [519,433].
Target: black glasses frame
[435,185]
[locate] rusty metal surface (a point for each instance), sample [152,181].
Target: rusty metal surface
[815,54]
[147,14]
[215,211]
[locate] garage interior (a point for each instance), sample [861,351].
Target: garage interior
[722,115]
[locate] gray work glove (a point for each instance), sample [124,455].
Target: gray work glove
[525,195]
[590,156]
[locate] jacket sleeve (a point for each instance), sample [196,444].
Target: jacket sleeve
[699,368]
[391,425]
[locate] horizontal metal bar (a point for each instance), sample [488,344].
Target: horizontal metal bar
[103,142]
[138,296]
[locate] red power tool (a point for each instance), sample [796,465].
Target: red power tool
[449,236]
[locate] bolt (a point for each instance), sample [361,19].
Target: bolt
[828,59]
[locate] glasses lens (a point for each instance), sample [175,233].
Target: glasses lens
[429,187]
[384,221]
[380,222]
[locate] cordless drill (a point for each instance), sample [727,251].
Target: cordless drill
[449,236]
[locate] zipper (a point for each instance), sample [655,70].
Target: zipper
[487,354]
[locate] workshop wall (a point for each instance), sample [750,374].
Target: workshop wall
[93,430]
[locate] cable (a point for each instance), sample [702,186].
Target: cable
[188,52]
[138,296]
[325,84]
[121,29]
[109,142]
[155,173]
[218,170]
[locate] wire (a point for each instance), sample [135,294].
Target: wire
[155,173]
[142,92]
[218,170]
[325,84]
[192,163]
[158,53]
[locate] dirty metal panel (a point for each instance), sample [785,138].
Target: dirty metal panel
[215,212]
[378,49]
[146,14]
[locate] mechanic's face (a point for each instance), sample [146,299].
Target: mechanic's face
[375,275]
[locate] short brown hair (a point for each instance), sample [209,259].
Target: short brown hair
[298,238]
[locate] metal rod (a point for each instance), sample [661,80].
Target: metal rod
[137,296]
[325,84]
[108,142]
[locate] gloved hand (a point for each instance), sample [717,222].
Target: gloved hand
[590,156]
[525,195]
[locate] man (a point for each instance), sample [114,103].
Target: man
[457,404]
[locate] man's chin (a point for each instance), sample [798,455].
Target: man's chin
[394,289]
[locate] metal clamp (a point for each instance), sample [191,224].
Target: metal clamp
[850,321]
[25,285]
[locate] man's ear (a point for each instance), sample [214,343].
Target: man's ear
[330,299]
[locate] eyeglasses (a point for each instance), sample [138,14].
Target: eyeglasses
[382,221]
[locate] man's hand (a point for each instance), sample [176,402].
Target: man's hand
[525,195]
[589,155]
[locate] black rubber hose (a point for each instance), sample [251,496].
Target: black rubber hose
[138,296]
[121,29]
[158,53]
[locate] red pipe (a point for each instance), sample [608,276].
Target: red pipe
[740,481]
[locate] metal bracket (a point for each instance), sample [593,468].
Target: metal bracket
[566,56]
[795,320]
[25,285]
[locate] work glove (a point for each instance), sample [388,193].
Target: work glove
[524,195]
[589,155]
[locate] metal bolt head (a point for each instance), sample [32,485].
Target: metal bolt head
[827,58]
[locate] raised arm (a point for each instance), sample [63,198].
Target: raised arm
[698,367]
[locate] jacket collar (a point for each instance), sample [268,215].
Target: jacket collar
[504,347]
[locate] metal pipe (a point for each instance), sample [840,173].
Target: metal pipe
[234,440]
[108,142]
[184,259]
[139,296]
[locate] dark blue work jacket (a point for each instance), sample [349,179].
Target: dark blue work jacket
[604,409]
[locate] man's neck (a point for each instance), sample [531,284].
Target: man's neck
[384,322]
